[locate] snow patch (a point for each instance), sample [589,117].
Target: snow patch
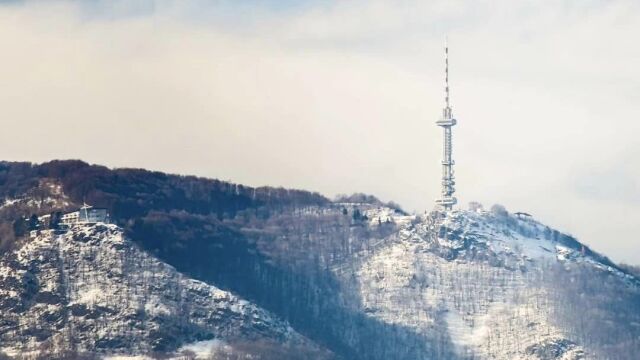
[204,349]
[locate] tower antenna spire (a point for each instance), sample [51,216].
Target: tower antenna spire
[446,71]
[447,200]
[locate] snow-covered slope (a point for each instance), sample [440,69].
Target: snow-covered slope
[461,285]
[478,279]
[92,289]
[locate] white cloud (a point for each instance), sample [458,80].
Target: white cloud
[343,97]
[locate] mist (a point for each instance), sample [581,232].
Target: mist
[343,97]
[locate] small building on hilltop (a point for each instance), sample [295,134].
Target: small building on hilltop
[86,214]
[522,215]
[60,222]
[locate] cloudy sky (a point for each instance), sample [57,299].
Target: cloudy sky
[342,96]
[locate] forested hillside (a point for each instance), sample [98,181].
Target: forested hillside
[132,195]
[271,245]
[356,276]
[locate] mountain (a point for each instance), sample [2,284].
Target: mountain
[501,287]
[283,273]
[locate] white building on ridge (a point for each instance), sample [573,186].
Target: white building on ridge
[86,214]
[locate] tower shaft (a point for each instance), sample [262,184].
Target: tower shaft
[447,200]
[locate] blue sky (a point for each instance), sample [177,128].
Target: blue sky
[198,10]
[342,96]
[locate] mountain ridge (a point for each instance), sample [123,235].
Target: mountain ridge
[314,264]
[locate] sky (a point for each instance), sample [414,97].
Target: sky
[342,97]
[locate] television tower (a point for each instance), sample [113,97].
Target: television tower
[447,200]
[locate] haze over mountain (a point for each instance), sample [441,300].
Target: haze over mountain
[313,94]
[191,262]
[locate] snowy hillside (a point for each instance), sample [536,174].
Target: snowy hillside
[91,289]
[304,277]
[478,279]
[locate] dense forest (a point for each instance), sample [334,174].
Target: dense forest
[132,195]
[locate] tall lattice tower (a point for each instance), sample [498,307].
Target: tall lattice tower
[447,200]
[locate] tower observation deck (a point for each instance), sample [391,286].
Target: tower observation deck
[447,200]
